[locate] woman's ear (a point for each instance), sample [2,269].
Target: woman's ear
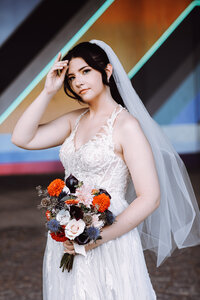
[108,70]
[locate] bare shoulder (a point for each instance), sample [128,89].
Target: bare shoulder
[71,116]
[74,114]
[130,132]
[126,122]
[123,130]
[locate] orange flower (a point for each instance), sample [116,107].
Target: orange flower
[72,201]
[55,187]
[103,201]
[48,214]
[59,236]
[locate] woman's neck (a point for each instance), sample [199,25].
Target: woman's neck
[102,105]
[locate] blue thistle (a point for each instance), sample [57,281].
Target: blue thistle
[93,232]
[53,225]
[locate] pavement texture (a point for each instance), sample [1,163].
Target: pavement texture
[23,239]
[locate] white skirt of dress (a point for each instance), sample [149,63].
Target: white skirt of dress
[115,270]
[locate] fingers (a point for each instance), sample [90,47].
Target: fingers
[69,251]
[58,57]
[64,72]
[69,247]
[61,66]
[68,242]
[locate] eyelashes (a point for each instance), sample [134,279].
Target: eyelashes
[84,72]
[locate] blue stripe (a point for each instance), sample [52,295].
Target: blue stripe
[9,153]
[186,92]
[190,113]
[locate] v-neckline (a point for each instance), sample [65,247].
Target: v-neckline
[95,135]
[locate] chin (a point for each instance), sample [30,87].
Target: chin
[88,99]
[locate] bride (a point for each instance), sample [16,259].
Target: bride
[106,145]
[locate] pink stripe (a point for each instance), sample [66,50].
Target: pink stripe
[31,168]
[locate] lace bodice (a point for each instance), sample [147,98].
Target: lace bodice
[95,162]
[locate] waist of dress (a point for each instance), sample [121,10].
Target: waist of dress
[116,193]
[118,204]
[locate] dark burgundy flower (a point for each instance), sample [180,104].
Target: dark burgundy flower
[110,218]
[101,191]
[76,212]
[83,238]
[70,182]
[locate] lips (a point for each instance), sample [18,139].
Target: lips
[83,91]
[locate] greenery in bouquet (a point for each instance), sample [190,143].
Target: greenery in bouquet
[75,211]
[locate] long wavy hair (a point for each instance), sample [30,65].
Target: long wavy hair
[97,59]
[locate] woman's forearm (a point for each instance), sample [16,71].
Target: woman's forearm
[27,125]
[130,218]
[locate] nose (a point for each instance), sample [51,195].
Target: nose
[78,81]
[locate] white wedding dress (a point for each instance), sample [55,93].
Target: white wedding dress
[115,270]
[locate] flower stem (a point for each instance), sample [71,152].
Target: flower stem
[67,262]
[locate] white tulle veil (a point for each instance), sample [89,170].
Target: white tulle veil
[176,222]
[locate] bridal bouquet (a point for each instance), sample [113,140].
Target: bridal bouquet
[75,211]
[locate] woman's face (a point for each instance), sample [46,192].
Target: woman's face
[84,80]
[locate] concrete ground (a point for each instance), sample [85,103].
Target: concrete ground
[23,238]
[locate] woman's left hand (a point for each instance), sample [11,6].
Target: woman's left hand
[92,245]
[69,247]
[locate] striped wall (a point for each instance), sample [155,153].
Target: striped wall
[131,28]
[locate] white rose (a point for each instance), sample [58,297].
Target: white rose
[74,228]
[63,217]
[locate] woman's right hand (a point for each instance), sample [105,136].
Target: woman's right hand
[69,247]
[53,81]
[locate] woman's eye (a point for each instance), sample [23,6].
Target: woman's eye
[86,70]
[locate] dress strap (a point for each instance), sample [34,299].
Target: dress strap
[114,115]
[109,121]
[78,119]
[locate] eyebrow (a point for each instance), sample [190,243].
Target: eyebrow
[78,70]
